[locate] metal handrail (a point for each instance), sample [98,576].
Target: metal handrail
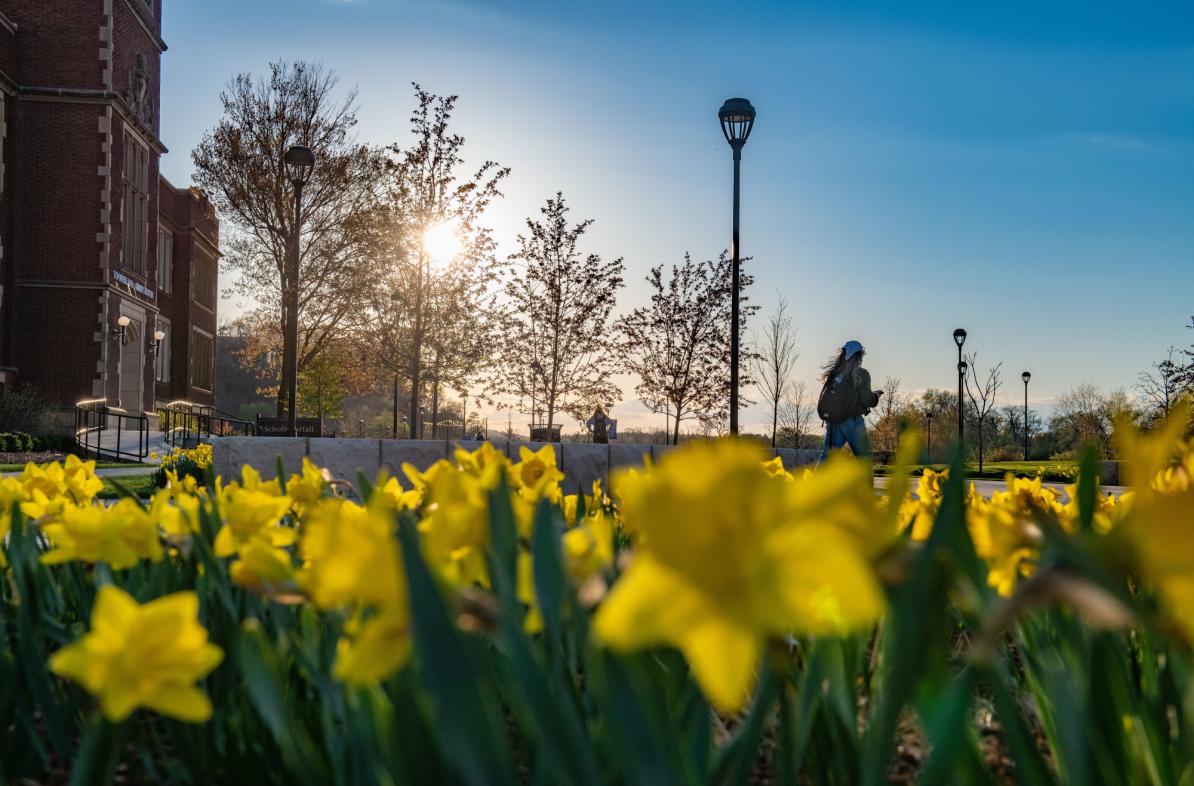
[94,418]
[187,423]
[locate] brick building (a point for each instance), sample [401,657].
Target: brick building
[91,235]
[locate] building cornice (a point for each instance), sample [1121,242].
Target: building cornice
[75,95]
[30,283]
[137,7]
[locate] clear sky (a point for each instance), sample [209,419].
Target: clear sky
[1021,169]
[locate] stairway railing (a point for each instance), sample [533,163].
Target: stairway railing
[187,424]
[103,431]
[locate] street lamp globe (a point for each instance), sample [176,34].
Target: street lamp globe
[959,337]
[737,119]
[158,335]
[963,366]
[299,161]
[1026,376]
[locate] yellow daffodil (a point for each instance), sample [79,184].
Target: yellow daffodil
[305,488]
[536,474]
[262,568]
[12,493]
[251,513]
[373,649]
[142,656]
[351,556]
[455,528]
[1159,521]
[75,480]
[120,535]
[727,559]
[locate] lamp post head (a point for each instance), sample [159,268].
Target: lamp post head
[1026,376]
[299,160]
[962,367]
[737,119]
[959,337]
[158,335]
[929,415]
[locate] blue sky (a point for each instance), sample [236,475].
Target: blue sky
[1023,170]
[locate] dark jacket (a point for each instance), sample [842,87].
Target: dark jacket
[865,398]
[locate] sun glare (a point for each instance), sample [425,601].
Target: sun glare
[442,242]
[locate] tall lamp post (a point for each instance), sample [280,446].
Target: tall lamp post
[960,339]
[1026,376]
[737,119]
[929,423]
[298,160]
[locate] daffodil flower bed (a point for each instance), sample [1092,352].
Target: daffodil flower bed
[715,618]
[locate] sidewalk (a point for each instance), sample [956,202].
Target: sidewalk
[988,487]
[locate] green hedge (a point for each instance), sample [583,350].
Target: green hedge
[23,442]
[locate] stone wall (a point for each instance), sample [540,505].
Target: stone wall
[581,463]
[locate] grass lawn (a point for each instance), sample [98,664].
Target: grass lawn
[98,465]
[996,470]
[141,485]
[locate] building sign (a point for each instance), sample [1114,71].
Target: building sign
[277,427]
[132,285]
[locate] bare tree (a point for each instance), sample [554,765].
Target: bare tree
[775,360]
[889,416]
[678,346]
[557,348]
[239,164]
[1160,387]
[982,396]
[795,414]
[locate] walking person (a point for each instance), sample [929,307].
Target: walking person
[598,426]
[846,396]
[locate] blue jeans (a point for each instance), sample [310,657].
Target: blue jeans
[850,432]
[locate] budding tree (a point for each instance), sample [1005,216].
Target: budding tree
[557,348]
[678,346]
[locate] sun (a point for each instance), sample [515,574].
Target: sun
[442,241]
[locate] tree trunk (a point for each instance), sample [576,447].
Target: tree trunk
[676,433]
[435,395]
[980,445]
[774,420]
[417,356]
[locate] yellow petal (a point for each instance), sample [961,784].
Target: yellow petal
[724,658]
[187,704]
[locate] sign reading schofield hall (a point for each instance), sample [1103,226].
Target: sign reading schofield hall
[277,427]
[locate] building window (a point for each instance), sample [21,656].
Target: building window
[136,205]
[202,357]
[203,280]
[165,260]
[161,361]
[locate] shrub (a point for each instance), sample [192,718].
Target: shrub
[21,410]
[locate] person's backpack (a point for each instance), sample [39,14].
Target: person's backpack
[838,397]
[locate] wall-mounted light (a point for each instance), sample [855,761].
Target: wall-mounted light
[158,335]
[121,324]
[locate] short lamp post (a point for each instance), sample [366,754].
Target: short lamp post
[929,429]
[960,339]
[737,119]
[1026,376]
[122,322]
[298,161]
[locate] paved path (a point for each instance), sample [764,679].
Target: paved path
[114,472]
[987,487]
